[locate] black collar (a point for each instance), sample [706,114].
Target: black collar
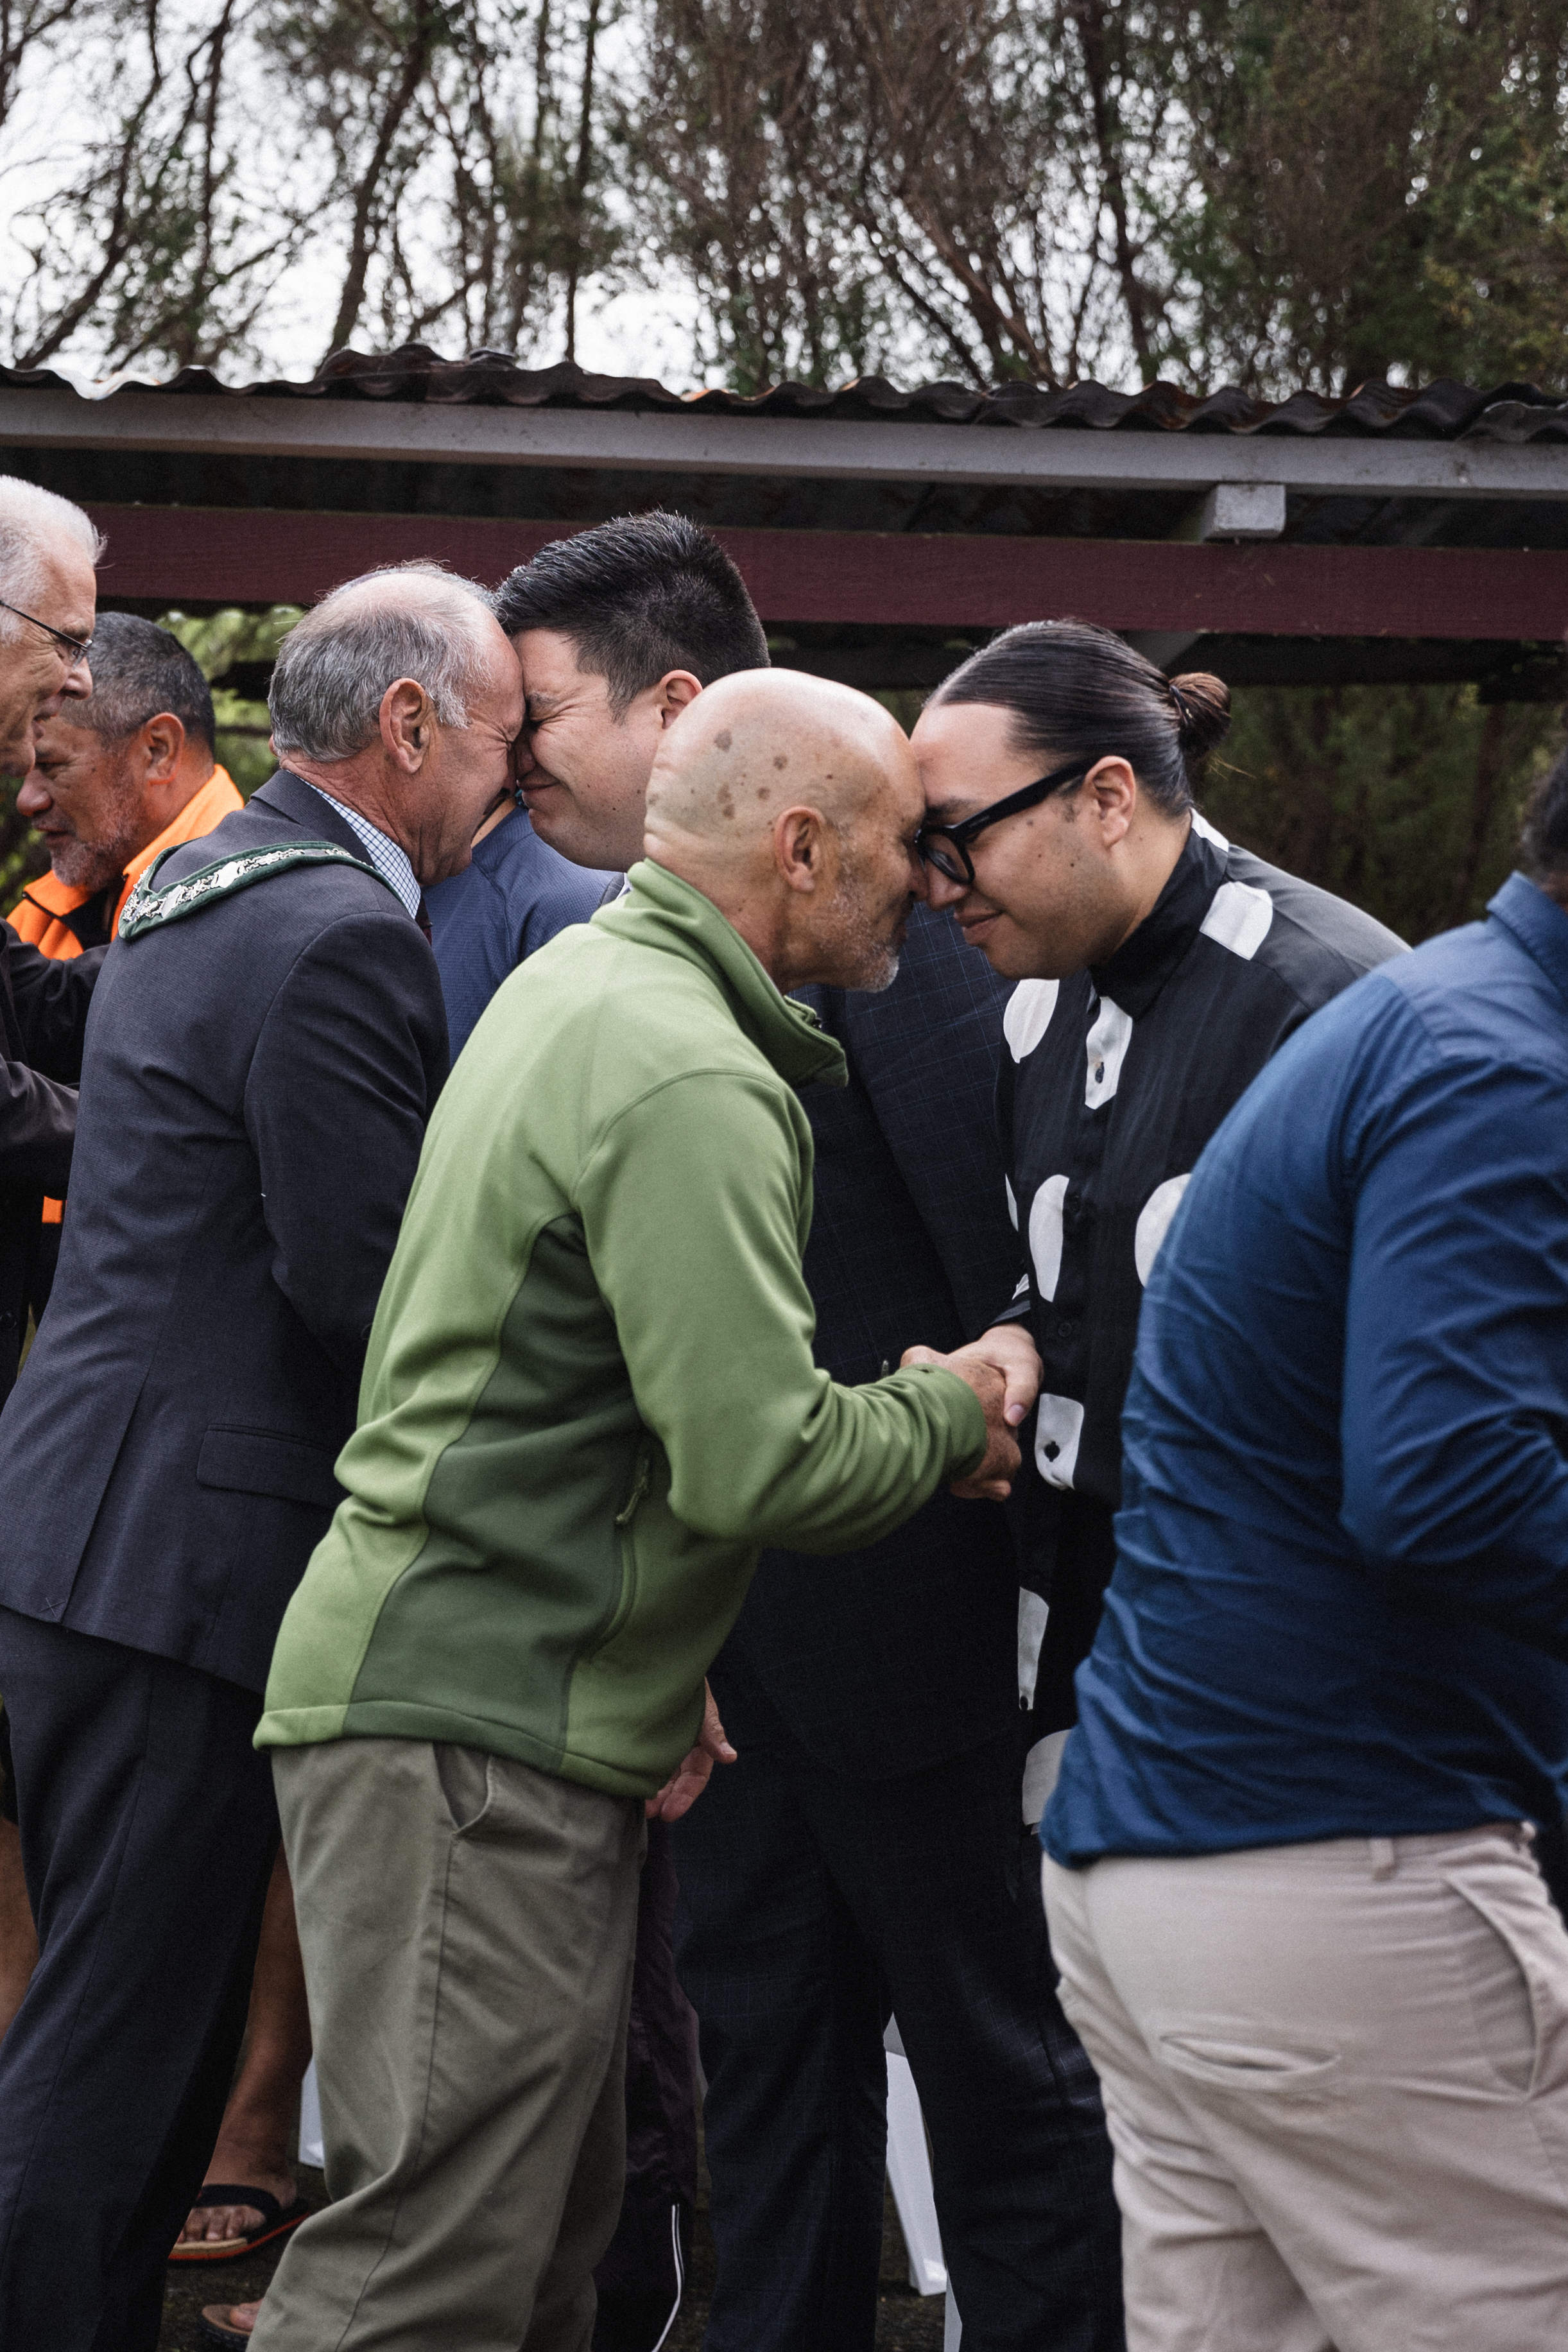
[1140,966]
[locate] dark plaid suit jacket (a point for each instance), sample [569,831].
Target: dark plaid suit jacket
[887,1660]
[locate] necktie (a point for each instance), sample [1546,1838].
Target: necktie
[421,916]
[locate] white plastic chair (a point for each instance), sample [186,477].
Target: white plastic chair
[909,2172]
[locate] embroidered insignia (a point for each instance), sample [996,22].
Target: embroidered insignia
[148,906]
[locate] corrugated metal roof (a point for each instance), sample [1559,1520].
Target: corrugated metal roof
[1442,411]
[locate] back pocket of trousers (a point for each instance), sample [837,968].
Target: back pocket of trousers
[1239,2064]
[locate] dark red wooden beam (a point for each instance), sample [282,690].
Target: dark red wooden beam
[241,555]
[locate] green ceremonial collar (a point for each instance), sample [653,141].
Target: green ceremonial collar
[148,907]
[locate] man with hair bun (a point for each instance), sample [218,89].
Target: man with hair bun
[266,1043]
[1157,968]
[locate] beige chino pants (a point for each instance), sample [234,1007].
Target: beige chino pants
[1336,2081]
[468,1928]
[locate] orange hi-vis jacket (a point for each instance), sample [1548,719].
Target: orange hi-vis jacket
[39,916]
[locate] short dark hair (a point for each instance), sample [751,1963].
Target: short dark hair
[138,670]
[1083,692]
[639,596]
[1544,845]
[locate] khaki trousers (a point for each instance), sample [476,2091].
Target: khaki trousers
[1336,2081]
[468,1927]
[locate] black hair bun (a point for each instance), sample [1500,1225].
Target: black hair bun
[1203,714]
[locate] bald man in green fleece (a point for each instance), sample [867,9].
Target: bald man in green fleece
[589,1401]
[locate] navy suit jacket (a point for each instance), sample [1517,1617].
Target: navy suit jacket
[886,1659]
[255,1091]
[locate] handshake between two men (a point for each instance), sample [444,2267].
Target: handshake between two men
[1002,1367]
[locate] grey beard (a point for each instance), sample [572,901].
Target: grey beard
[88,865]
[876,959]
[884,973]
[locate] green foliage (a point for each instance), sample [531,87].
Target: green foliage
[1406,800]
[1366,188]
[218,642]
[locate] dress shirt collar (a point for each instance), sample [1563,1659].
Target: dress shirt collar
[1538,923]
[1140,966]
[390,861]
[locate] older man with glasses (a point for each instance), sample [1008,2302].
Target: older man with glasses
[47,551]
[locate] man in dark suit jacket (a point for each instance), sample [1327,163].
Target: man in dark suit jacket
[868,1852]
[267,1045]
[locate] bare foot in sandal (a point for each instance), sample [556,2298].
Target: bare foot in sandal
[221,2224]
[228,2323]
[256,2133]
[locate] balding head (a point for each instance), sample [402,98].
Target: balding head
[411,620]
[794,804]
[400,696]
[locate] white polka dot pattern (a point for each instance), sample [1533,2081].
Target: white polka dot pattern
[1032,1614]
[1027,1015]
[1106,1049]
[1153,1223]
[1057,1426]
[1239,918]
[1045,1235]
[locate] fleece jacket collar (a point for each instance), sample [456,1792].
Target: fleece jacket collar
[660,910]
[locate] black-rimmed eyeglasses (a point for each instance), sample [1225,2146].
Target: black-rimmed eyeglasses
[77,648]
[947,847]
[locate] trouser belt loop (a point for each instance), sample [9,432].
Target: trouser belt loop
[1383,1857]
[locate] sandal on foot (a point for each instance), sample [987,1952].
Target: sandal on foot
[213,2326]
[275,2223]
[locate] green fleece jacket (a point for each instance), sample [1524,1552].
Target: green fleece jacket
[589,1398]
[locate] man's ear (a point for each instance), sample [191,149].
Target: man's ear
[407,725]
[1113,791]
[799,847]
[675,690]
[162,742]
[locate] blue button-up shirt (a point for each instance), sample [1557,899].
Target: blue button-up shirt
[515,895]
[1340,1605]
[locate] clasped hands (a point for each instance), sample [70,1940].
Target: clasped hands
[1003,1370]
[1002,1367]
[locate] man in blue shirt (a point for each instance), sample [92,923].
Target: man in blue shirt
[1289,1868]
[514,895]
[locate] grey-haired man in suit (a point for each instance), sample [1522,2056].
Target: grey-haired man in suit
[268,1042]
